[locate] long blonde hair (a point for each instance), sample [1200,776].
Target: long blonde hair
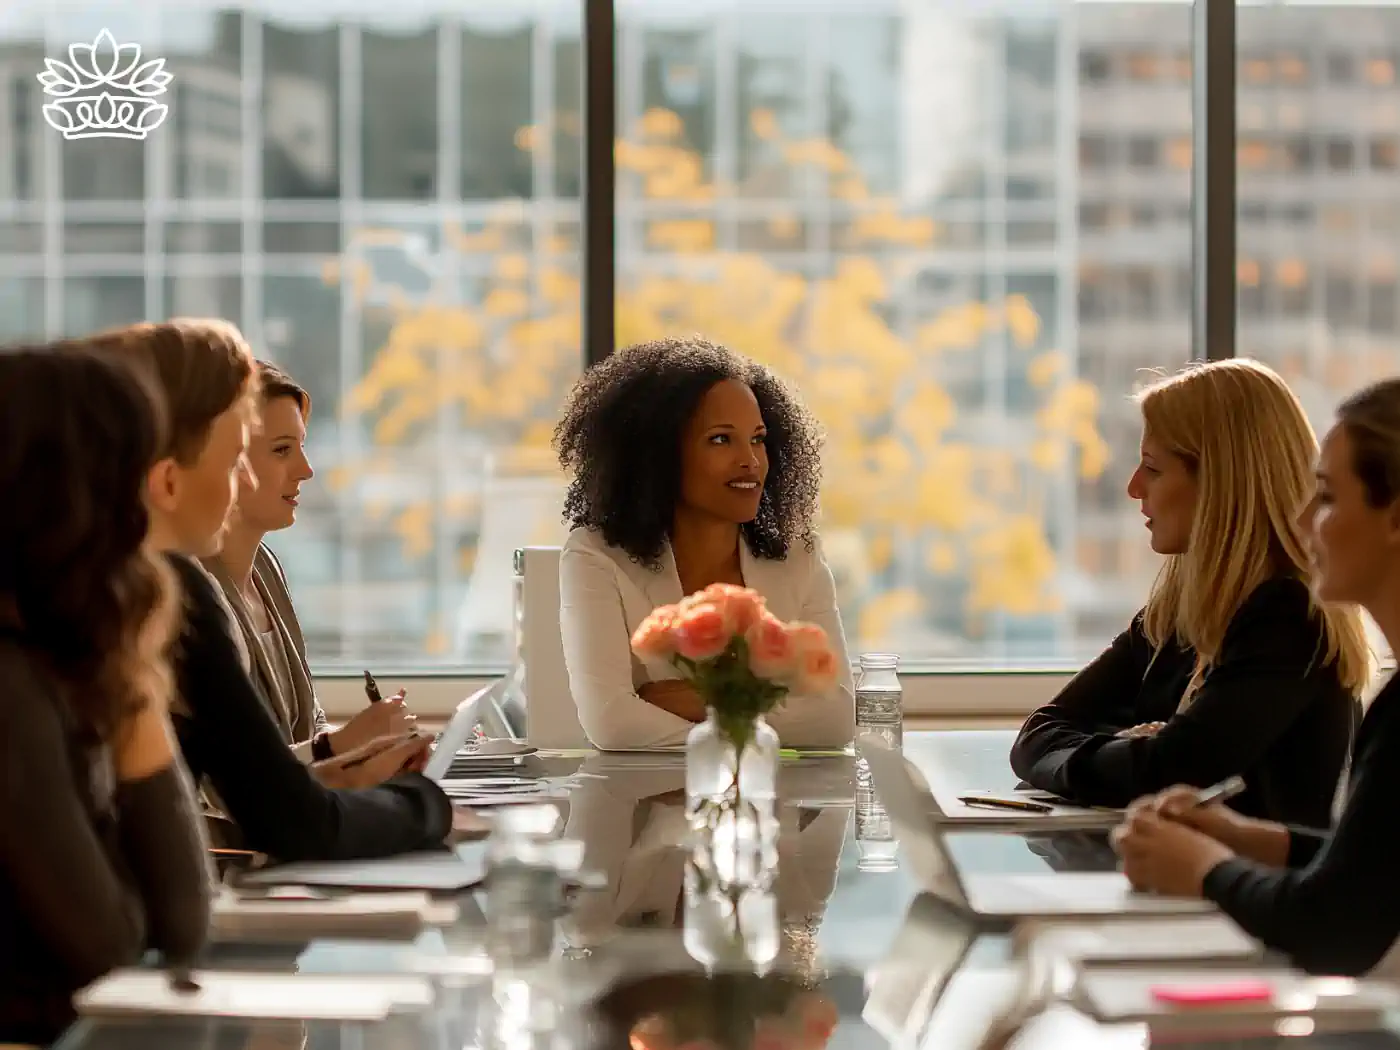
[1245,438]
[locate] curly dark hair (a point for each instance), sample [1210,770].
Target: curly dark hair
[78,433]
[620,437]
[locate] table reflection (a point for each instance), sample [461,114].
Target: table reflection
[633,827]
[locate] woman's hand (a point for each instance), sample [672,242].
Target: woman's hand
[1145,729]
[144,744]
[677,696]
[1260,840]
[374,763]
[389,717]
[1164,855]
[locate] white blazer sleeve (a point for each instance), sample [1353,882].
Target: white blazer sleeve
[828,720]
[598,655]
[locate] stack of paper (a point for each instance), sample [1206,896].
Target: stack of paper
[1242,999]
[1182,939]
[282,997]
[435,872]
[297,913]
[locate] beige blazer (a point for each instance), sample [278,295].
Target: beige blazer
[603,597]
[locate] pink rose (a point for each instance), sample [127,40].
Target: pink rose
[815,664]
[771,648]
[654,638]
[739,605]
[701,633]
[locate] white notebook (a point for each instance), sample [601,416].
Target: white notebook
[441,872]
[1178,939]
[299,916]
[287,997]
[1112,995]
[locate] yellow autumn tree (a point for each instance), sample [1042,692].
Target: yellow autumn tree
[919,501]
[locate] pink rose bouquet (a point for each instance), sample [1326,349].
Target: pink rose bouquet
[742,660]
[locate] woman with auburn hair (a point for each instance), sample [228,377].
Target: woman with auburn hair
[228,735]
[101,855]
[256,588]
[691,465]
[1324,898]
[1231,668]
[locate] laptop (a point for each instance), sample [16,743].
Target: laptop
[460,731]
[1007,896]
[905,988]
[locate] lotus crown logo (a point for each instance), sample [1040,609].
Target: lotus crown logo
[105,98]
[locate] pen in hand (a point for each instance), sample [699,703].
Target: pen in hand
[1221,792]
[372,689]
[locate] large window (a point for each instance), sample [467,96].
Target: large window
[946,223]
[1318,220]
[388,205]
[964,230]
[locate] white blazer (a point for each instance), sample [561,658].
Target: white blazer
[603,597]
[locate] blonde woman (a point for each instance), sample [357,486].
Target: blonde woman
[1231,668]
[1326,899]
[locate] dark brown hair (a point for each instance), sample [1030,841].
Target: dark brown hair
[276,383]
[203,368]
[1371,418]
[78,434]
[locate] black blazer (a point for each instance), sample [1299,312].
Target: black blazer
[1268,710]
[1333,909]
[227,735]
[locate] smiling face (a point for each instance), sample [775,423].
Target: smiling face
[1165,487]
[724,461]
[277,456]
[1354,546]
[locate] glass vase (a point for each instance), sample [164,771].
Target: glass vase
[731,787]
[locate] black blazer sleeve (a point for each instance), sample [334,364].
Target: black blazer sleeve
[227,735]
[1098,700]
[1340,913]
[1263,679]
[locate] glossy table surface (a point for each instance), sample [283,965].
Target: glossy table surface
[843,901]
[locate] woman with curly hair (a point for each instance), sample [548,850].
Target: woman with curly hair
[101,856]
[691,465]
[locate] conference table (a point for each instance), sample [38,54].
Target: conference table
[847,912]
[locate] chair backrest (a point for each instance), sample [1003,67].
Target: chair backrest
[551,717]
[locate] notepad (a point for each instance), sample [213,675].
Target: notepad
[1112,994]
[302,916]
[281,997]
[444,872]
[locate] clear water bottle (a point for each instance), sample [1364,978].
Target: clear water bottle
[880,698]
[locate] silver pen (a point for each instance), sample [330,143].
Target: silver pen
[1221,792]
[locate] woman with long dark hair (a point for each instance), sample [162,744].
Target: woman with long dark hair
[101,854]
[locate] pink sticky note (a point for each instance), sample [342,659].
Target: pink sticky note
[1215,993]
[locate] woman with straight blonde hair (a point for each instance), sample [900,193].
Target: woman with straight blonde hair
[1231,668]
[1324,898]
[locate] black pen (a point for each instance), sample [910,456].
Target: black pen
[372,689]
[993,802]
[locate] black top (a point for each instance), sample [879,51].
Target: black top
[1268,710]
[1335,909]
[93,872]
[227,735]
